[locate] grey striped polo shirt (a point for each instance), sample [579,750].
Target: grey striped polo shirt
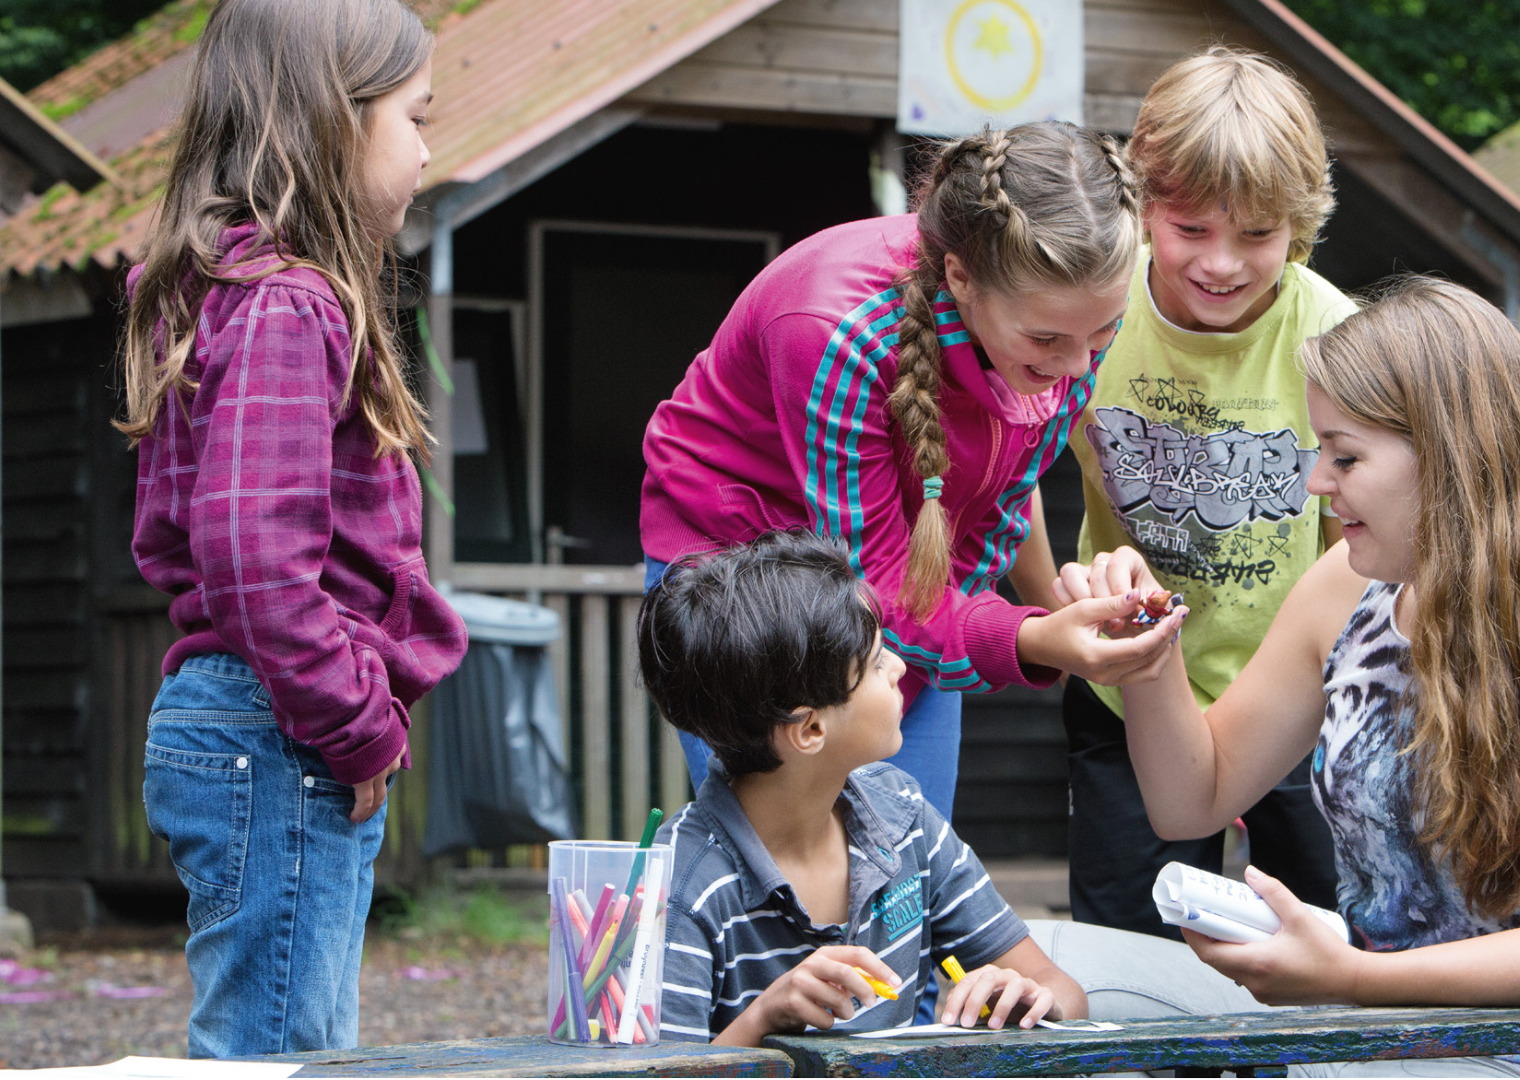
[917,895]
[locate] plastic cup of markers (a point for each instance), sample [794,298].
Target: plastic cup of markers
[607,905]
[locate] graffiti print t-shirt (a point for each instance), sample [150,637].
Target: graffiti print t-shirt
[1394,894]
[1196,450]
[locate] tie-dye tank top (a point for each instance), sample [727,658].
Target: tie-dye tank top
[1393,894]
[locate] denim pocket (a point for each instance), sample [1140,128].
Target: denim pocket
[201,803]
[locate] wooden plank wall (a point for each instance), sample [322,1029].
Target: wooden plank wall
[624,758]
[46,429]
[839,57]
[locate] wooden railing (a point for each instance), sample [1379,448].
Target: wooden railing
[624,758]
[133,633]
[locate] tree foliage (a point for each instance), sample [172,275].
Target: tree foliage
[39,38]
[1456,62]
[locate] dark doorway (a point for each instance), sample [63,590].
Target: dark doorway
[624,313]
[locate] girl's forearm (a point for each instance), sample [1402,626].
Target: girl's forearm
[1172,749]
[1478,971]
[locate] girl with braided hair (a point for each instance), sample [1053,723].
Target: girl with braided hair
[901,383]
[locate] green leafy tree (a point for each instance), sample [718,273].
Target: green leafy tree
[1456,62]
[39,38]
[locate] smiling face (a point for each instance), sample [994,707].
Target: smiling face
[1211,273]
[1038,336]
[1369,474]
[396,154]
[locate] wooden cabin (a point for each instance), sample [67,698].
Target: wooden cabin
[605,178]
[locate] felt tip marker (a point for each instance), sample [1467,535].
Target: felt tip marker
[876,984]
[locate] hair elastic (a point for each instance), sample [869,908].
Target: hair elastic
[932,487]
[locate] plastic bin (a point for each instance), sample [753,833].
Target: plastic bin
[497,770]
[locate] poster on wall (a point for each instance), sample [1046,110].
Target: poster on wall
[965,63]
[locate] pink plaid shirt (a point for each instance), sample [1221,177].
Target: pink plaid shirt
[263,511]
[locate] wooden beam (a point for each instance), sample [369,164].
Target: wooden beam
[1431,206]
[633,704]
[523,577]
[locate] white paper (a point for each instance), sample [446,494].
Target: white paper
[177,1069]
[925,1031]
[1222,908]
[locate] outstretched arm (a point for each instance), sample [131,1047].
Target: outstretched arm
[1198,773]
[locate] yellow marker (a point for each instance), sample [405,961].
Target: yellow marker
[600,956]
[596,1030]
[876,984]
[953,969]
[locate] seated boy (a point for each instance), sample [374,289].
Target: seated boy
[800,861]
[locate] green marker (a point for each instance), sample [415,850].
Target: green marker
[650,827]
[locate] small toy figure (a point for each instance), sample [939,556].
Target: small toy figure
[1156,607]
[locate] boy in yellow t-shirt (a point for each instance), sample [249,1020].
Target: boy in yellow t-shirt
[1196,448]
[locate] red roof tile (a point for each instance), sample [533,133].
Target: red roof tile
[507,75]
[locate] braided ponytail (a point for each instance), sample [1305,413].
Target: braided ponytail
[915,403]
[1039,204]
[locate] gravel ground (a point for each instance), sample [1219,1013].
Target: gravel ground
[100,996]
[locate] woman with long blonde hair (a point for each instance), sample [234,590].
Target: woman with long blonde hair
[1394,661]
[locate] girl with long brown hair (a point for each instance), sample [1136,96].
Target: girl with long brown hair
[902,382]
[1395,661]
[278,505]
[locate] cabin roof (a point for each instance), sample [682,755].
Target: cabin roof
[46,154]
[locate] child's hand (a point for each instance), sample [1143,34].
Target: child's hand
[817,991]
[1005,989]
[1078,639]
[1111,573]
[369,795]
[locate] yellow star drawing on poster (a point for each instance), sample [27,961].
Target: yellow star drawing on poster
[995,37]
[992,37]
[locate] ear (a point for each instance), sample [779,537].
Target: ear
[803,737]
[958,279]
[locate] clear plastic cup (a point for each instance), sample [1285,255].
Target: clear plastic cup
[601,890]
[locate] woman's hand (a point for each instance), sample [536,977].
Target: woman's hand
[1304,963]
[818,991]
[1004,989]
[1073,639]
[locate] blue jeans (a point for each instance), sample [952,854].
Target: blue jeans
[279,878]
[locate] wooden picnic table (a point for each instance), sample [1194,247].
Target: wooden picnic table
[1266,1042]
[534,1055]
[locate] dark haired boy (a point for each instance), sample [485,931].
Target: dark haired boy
[800,861]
